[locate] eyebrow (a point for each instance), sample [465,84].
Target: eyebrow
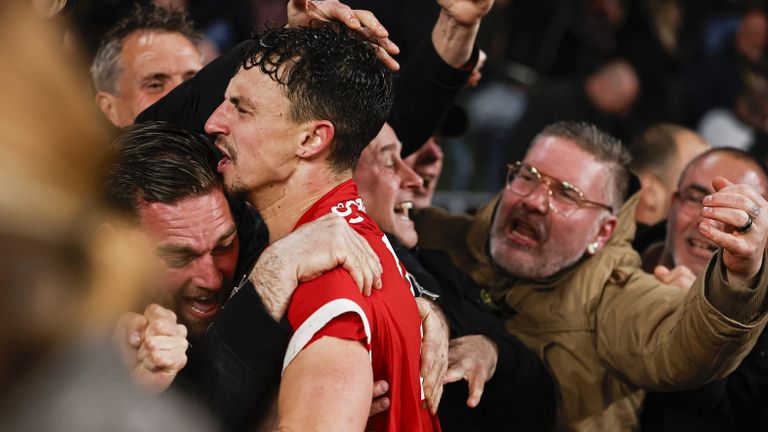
[156,76]
[698,188]
[169,250]
[242,102]
[230,232]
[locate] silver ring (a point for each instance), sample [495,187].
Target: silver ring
[747,226]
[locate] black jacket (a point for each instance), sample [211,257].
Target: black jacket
[521,394]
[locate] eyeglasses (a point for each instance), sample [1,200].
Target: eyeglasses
[564,198]
[691,198]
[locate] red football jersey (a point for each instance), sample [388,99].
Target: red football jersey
[387,322]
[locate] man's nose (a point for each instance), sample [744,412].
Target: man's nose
[216,123]
[207,275]
[538,199]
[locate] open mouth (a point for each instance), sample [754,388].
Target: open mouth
[225,157]
[402,209]
[204,307]
[523,232]
[701,247]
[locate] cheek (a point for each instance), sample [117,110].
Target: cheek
[226,264]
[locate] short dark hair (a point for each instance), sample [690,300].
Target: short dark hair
[158,162]
[327,73]
[735,153]
[604,147]
[655,148]
[106,69]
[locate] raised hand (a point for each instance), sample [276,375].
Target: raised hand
[153,347]
[466,12]
[737,223]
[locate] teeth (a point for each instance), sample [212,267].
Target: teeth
[402,209]
[524,230]
[702,244]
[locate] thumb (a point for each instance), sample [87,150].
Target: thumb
[720,182]
[453,374]
[660,271]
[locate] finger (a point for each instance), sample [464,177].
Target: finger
[385,48]
[343,13]
[162,327]
[720,182]
[736,245]
[369,21]
[455,373]
[476,387]
[434,401]
[155,311]
[137,329]
[742,198]
[733,218]
[355,271]
[379,388]
[661,272]
[379,405]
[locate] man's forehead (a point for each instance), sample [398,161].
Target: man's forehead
[562,158]
[189,212]
[736,170]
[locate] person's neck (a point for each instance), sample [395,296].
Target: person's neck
[281,205]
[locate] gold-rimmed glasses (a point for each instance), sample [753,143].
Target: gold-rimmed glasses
[564,198]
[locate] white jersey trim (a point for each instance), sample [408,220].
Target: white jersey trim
[318,320]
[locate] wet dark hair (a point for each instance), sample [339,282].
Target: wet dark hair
[327,73]
[158,162]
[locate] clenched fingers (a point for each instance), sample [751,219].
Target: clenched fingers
[380,402]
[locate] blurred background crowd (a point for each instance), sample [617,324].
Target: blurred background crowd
[623,65]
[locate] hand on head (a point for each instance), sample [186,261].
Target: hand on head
[305,12]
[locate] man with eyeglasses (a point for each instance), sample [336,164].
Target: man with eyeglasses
[685,251]
[739,401]
[555,249]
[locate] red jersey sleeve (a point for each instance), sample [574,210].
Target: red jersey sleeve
[330,305]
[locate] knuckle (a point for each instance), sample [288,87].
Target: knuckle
[160,360]
[150,344]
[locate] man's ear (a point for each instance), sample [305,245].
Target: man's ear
[607,227]
[317,138]
[107,102]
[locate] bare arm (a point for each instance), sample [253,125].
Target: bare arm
[321,392]
[456,29]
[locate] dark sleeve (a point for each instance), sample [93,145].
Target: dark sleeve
[191,103]
[521,391]
[235,367]
[424,93]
